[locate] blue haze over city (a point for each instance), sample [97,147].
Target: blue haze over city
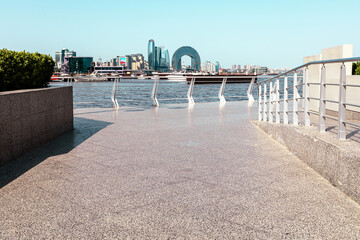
[276,33]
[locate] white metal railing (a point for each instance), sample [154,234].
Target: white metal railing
[154,93]
[269,93]
[126,92]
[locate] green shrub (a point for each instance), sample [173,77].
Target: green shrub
[23,70]
[356,68]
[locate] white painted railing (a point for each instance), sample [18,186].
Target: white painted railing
[266,102]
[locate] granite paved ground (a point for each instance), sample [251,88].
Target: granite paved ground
[170,173]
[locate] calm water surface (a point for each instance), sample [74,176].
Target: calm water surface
[138,93]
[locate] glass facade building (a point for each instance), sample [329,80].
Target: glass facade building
[151,54]
[158,57]
[167,58]
[77,65]
[186,51]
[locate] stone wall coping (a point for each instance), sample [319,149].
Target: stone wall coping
[30,90]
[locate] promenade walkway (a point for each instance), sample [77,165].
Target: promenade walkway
[170,173]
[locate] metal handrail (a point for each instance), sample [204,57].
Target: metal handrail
[342,60]
[122,91]
[268,102]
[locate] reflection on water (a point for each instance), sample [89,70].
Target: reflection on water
[138,93]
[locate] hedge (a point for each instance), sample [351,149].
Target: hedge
[23,70]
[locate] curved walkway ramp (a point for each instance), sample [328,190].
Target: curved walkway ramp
[170,173]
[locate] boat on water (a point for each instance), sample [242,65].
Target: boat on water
[213,79]
[177,77]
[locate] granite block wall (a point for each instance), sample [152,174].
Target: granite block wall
[337,161]
[31,118]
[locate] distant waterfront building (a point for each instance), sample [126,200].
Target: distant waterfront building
[217,67]
[186,51]
[131,62]
[259,70]
[137,61]
[158,57]
[124,61]
[166,58]
[113,62]
[77,65]
[105,64]
[60,56]
[151,54]
[209,67]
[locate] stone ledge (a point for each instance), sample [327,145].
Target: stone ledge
[337,161]
[30,118]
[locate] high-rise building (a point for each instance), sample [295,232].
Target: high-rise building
[166,58]
[151,54]
[217,67]
[60,56]
[158,57]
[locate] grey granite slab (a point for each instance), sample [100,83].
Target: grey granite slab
[170,173]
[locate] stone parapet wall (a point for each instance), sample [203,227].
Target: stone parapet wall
[31,118]
[337,161]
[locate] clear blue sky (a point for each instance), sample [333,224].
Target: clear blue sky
[273,33]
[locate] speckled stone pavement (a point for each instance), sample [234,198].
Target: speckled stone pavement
[170,173]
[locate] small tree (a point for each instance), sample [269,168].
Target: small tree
[356,68]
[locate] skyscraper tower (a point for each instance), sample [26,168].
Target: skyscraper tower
[151,54]
[158,55]
[167,59]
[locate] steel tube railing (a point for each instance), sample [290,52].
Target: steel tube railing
[290,81]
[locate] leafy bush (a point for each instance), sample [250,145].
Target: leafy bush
[23,70]
[356,68]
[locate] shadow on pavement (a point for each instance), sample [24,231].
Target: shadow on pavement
[83,129]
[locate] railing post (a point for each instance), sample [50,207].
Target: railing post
[295,101]
[265,105]
[322,104]
[271,98]
[259,101]
[306,97]
[114,94]
[190,91]
[154,91]
[222,90]
[277,101]
[286,104]
[250,89]
[342,106]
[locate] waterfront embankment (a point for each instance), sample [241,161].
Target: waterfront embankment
[170,172]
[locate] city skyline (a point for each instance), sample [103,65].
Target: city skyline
[277,34]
